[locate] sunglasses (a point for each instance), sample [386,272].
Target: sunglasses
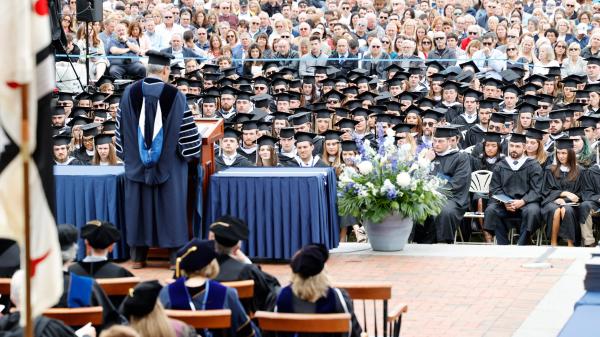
[429,124]
[560,46]
[573,49]
[230,35]
[487,43]
[168,17]
[260,87]
[472,33]
[426,42]
[285,36]
[511,49]
[386,42]
[278,90]
[333,101]
[377,47]
[346,8]
[569,5]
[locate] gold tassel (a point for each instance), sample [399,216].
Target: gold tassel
[178,261]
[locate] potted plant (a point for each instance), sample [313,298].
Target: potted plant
[391,189]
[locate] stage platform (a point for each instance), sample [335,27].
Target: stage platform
[462,290]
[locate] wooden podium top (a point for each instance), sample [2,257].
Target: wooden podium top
[211,129]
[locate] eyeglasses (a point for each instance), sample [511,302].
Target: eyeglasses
[260,87]
[346,8]
[472,33]
[374,46]
[512,36]
[569,5]
[285,36]
[168,17]
[303,28]
[573,49]
[426,42]
[383,17]
[487,43]
[230,36]
[279,90]
[511,49]
[333,101]
[429,124]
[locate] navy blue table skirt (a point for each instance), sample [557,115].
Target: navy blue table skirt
[85,193]
[585,318]
[285,208]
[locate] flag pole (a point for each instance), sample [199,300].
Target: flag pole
[25,156]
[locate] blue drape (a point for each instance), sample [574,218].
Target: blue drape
[85,193]
[285,208]
[584,321]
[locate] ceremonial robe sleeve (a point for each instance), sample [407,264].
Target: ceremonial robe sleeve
[535,185]
[550,189]
[118,137]
[461,178]
[496,183]
[241,324]
[189,137]
[590,191]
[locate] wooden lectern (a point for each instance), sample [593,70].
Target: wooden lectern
[211,130]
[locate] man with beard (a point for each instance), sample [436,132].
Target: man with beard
[455,167]
[229,156]
[58,117]
[518,180]
[431,119]
[85,154]
[60,151]
[227,111]
[557,118]
[249,135]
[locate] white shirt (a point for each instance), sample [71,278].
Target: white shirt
[166,34]
[515,164]
[229,160]
[310,163]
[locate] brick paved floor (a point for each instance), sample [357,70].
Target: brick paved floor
[449,296]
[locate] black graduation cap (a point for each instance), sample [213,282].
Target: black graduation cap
[105,79]
[366,96]
[527,107]
[413,109]
[209,68]
[323,113]
[575,106]
[90,129]
[282,96]
[213,77]
[102,139]
[577,131]
[435,64]
[536,78]
[346,123]
[393,67]
[159,58]
[58,111]
[310,260]
[249,125]
[353,104]
[582,94]
[300,118]
[571,81]
[287,71]
[492,137]
[65,96]
[321,69]
[403,127]
[142,299]
[593,60]
[350,91]
[98,97]
[510,76]
[433,114]
[470,64]
[229,230]
[488,103]
[426,102]
[286,133]
[261,80]
[101,113]
[231,133]
[592,86]
[194,256]
[210,97]
[468,92]
[176,69]
[79,120]
[530,87]
[465,77]
[518,138]
[512,88]
[181,82]
[492,82]
[408,96]
[328,82]
[564,143]
[225,82]
[82,96]
[531,99]
[542,123]
[227,72]
[304,137]
[451,85]
[265,126]
[100,234]
[280,115]
[415,71]
[384,118]
[241,118]
[332,134]
[446,131]
[361,79]
[60,140]
[559,114]
[588,121]
[438,77]
[396,81]
[553,71]
[308,79]
[360,111]
[113,99]
[349,145]
[498,117]
[266,140]
[295,83]
[534,133]
[334,94]
[261,101]
[109,126]
[342,112]
[393,106]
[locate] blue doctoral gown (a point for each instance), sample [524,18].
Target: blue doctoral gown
[155,145]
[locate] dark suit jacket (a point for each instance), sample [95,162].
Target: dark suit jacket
[186,52]
[345,66]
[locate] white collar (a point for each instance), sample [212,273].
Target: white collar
[470,118]
[67,162]
[515,164]
[447,152]
[249,150]
[311,162]
[91,258]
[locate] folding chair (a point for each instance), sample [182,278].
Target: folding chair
[203,319]
[303,323]
[245,288]
[118,286]
[391,320]
[76,317]
[480,183]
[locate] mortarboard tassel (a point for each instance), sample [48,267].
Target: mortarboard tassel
[178,261]
[554,161]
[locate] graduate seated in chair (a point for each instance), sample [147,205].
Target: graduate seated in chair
[147,316]
[100,237]
[81,291]
[310,290]
[43,326]
[234,265]
[229,156]
[195,289]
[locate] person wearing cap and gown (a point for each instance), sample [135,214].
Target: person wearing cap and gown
[60,151]
[310,290]
[454,166]
[227,110]
[475,134]
[561,188]
[520,179]
[301,121]
[287,148]
[449,101]
[469,116]
[305,149]
[104,151]
[590,201]
[147,316]
[156,137]
[81,291]
[195,288]
[556,129]
[229,155]
[58,117]
[234,265]
[85,154]
[267,152]
[248,147]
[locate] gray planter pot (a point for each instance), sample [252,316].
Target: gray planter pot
[391,234]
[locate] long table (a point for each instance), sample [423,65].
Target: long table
[285,208]
[85,193]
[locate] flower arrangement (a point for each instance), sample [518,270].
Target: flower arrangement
[390,179]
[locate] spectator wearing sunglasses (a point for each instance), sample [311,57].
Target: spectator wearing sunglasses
[489,58]
[441,52]
[472,34]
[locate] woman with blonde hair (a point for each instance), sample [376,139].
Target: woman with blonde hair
[545,59]
[534,147]
[104,151]
[194,289]
[332,151]
[310,290]
[98,62]
[147,316]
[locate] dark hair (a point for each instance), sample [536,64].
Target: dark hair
[571,164]
[314,37]
[551,30]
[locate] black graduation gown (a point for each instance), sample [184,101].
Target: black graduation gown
[590,192]
[109,314]
[318,144]
[71,161]
[265,285]
[81,155]
[524,183]
[286,161]
[100,269]
[551,190]
[453,111]
[465,126]
[478,149]
[474,136]
[250,156]
[44,327]
[455,167]
[240,161]
[9,264]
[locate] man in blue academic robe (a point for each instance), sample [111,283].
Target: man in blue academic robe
[156,136]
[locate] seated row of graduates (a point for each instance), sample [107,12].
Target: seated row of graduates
[201,264]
